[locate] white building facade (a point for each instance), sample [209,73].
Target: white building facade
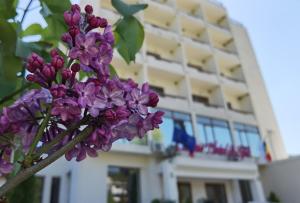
[203,66]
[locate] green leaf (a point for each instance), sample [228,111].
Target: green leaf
[34,29]
[8,9]
[10,65]
[112,71]
[55,6]
[127,10]
[56,27]
[129,37]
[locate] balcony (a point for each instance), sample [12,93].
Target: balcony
[207,97]
[216,15]
[222,39]
[199,56]
[193,28]
[239,105]
[191,7]
[171,87]
[229,66]
[125,71]
[171,3]
[163,48]
[161,16]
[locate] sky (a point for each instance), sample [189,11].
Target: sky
[274,29]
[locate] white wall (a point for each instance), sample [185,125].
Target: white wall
[282,177]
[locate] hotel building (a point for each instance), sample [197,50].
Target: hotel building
[204,67]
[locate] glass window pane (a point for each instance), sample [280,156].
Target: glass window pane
[209,134]
[201,132]
[181,116]
[188,128]
[166,129]
[203,120]
[185,193]
[123,185]
[220,123]
[223,136]
[55,187]
[255,144]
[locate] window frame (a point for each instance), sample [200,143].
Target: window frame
[212,123]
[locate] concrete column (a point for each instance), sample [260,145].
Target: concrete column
[257,190]
[170,190]
[236,192]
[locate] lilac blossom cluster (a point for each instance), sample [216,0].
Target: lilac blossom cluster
[115,108]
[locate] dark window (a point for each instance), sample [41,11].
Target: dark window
[123,185]
[159,90]
[201,99]
[216,193]
[245,191]
[248,136]
[214,131]
[185,193]
[55,187]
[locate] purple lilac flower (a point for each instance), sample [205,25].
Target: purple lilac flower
[139,101]
[107,98]
[84,48]
[116,109]
[67,109]
[86,93]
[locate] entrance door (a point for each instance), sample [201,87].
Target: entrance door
[185,193]
[216,193]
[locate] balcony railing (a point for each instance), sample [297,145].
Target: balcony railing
[159,57]
[238,110]
[233,78]
[198,68]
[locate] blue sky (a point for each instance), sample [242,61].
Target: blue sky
[274,29]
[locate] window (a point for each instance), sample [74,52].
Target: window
[216,193]
[248,136]
[55,187]
[123,185]
[245,191]
[159,90]
[201,99]
[214,131]
[185,193]
[170,119]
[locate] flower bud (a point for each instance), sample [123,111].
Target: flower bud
[153,99]
[74,31]
[75,67]
[67,38]
[93,21]
[31,78]
[34,62]
[110,115]
[49,71]
[102,22]
[57,62]
[75,7]
[53,52]
[66,74]
[72,18]
[122,112]
[58,90]
[88,9]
